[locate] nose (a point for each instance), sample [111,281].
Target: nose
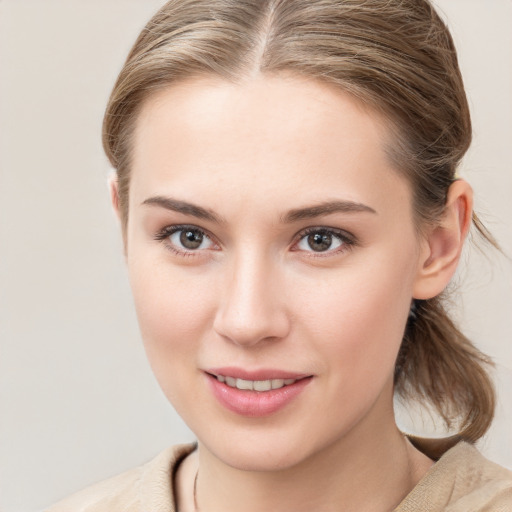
[252,307]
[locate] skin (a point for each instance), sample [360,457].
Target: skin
[256,295]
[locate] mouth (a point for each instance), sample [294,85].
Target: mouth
[256,393]
[254,385]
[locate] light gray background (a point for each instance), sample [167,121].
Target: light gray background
[78,402]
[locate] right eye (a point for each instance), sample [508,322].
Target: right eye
[185,239]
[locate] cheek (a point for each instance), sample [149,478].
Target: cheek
[174,311]
[358,315]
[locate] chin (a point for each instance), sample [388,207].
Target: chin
[254,459]
[268,450]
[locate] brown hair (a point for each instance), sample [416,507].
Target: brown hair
[398,57]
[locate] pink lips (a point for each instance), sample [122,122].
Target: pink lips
[255,403]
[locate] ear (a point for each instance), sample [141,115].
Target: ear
[113,187]
[443,244]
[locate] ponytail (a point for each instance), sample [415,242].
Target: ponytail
[438,365]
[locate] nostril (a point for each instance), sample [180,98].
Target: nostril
[249,310]
[251,331]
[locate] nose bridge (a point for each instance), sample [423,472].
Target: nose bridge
[252,307]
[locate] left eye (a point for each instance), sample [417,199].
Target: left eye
[321,240]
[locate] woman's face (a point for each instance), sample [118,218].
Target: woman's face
[270,245]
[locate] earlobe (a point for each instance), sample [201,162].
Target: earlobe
[444,242]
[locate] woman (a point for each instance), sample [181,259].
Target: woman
[287,190]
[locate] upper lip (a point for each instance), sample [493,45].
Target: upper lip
[261,374]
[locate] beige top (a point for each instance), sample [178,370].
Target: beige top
[462,480]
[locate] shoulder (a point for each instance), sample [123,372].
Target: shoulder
[147,487]
[462,480]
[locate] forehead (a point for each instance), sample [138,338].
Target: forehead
[262,136]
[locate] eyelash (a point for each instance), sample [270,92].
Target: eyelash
[164,234]
[347,241]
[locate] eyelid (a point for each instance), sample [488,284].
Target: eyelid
[348,240]
[164,234]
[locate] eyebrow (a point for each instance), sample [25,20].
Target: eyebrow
[184,207]
[326,208]
[294,215]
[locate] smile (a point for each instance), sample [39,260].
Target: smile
[255,393]
[254,385]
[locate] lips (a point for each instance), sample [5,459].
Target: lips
[258,393]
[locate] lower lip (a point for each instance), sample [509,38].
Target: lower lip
[256,403]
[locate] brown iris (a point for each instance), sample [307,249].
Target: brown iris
[191,238]
[320,242]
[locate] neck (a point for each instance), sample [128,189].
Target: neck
[360,472]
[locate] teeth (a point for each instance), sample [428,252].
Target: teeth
[255,385]
[244,384]
[262,385]
[277,383]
